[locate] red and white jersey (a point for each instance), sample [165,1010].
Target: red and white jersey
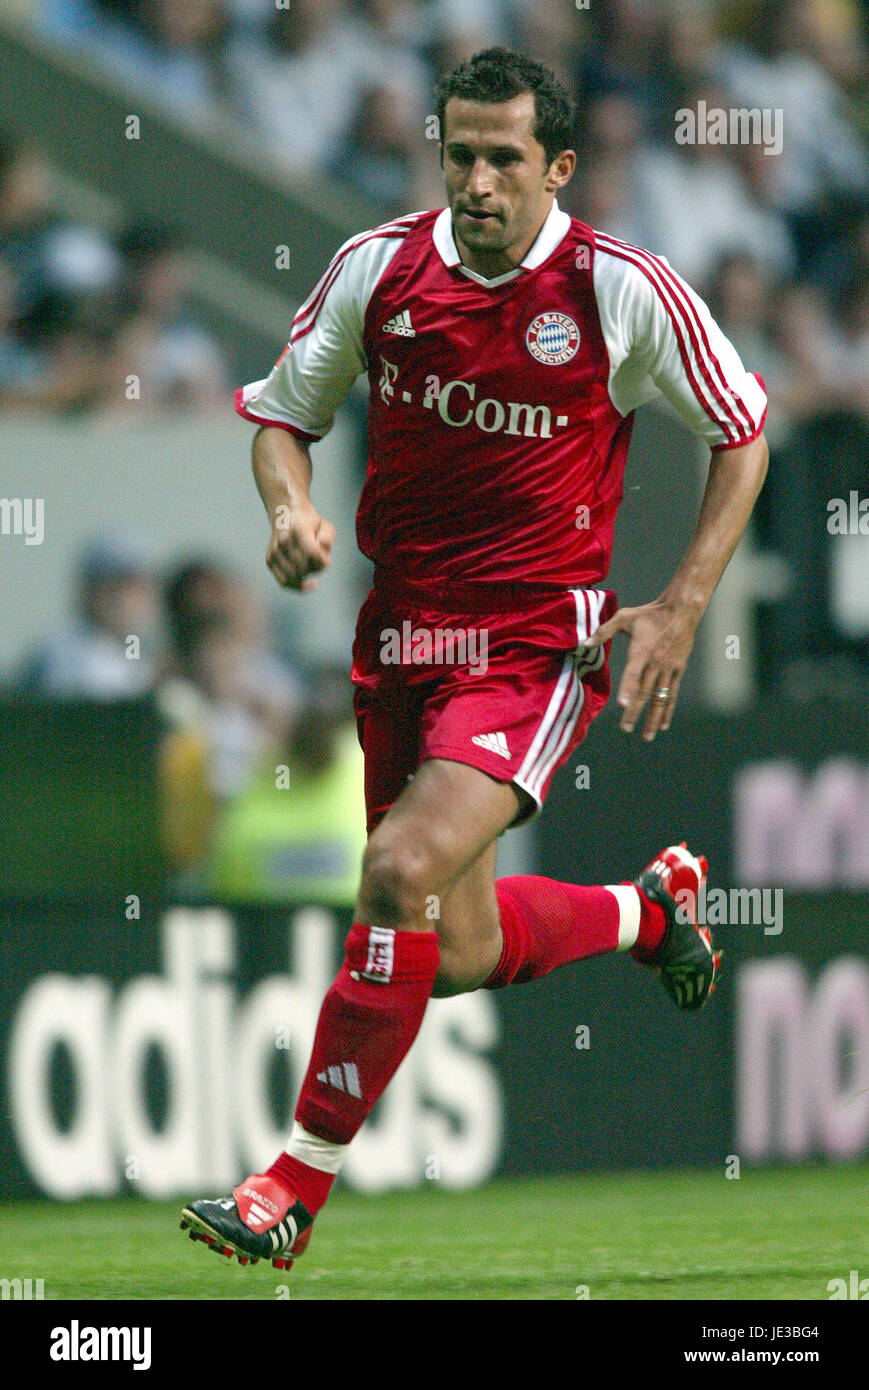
[501,410]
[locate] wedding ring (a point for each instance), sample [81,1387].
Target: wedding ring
[663,693]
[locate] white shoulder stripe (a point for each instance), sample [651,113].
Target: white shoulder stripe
[387,231]
[703,369]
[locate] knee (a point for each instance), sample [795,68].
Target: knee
[396,882]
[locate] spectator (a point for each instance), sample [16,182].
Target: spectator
[108,653]
[297,832]
[221,682]
[775,59]
[228,704]
[697,207]
[57,287]
[555,34]
[377,156]
[813,344]
[625,51]
[45,252]
[92,20]
[742,296]
[300,86]
[824,456]
[178,363]
[24,214]
[467,25]
[175,48]
[21,367]
[604,193]
[854,361]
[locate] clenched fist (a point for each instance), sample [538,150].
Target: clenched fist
[300,546]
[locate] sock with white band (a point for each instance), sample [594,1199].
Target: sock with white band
[546,924]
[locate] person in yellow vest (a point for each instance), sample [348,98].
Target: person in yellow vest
[296,833]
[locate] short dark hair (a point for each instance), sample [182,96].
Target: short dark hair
[498,74]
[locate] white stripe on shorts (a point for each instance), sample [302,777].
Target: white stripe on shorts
[555,728]
[587,624]
[563,732]
[566,704]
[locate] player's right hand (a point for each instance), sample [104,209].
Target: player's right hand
[300,546]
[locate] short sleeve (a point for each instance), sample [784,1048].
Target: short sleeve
[663,341]
[325,353]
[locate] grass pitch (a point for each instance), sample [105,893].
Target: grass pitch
[771,1234]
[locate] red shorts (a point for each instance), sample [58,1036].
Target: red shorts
[507,692]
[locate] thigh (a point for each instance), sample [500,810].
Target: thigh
[447,815]
[388,724]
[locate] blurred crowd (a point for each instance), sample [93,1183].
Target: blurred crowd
[89,320]
[339,92]
[260,771]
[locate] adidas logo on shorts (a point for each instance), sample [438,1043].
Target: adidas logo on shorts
[495,743]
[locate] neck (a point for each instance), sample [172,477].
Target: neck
[490,264]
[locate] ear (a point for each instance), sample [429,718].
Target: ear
[560,171]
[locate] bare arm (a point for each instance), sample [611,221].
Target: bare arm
[662,632]
[301,539]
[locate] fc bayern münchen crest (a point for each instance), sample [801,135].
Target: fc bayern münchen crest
[552,338]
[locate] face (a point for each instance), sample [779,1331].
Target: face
[745,294]
[186,22]
[124,605]
[499,185]
[162,282]
[24,191]
[218,668]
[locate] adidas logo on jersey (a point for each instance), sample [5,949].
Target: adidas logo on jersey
[400,325]
[496,743]
[343,1077]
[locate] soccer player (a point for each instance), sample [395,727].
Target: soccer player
[507,347]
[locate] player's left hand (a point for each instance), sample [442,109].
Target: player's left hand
[662,635]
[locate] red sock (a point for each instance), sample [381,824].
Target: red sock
[312,1185]
[368,1020]
[546,924]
